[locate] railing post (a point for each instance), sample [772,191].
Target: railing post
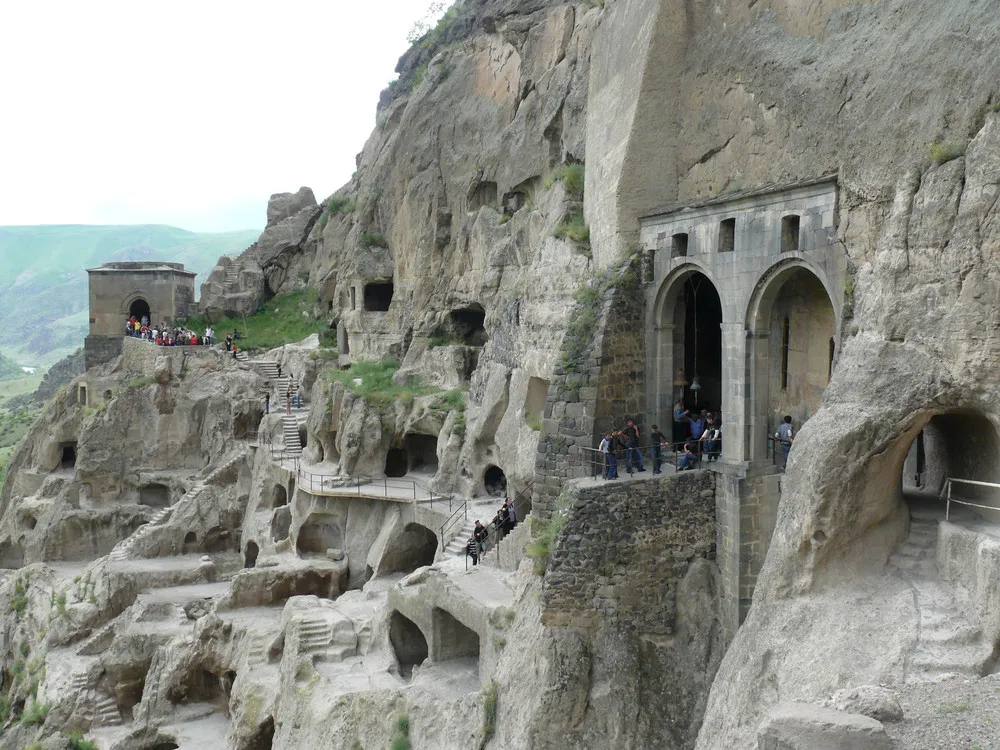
[947,509]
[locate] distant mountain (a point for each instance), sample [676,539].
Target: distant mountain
[43,277]
[9,370]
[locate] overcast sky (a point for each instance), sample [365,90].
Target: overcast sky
[186,113]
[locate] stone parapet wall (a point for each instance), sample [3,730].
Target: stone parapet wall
[624,550]
[99,350]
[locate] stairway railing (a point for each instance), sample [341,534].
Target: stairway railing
[460,516]
[947,496]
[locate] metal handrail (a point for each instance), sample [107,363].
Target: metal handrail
[278,453]
[597,459]
[519,497]
[448,525]
[309,480]
[946,495]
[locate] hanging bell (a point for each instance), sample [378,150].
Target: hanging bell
[695,385]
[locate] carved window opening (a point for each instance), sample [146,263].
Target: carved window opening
[727,235]
[790,233]
[679,245]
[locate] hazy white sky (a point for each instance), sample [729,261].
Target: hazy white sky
[186,113]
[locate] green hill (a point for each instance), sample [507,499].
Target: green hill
[43,277]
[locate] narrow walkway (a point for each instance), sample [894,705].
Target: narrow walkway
[947,643]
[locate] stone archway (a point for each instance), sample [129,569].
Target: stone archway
[139,309]
[791,322]
[408,643]
[687,343]
[414,548]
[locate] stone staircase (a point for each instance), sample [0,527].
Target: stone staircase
[947,643]
[232,276]
[290,434]
[123,550]
[255,651]
[99,709]
[456,547]
[316,639]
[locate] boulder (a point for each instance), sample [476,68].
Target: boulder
[282,206]
[870,700]
[803,726]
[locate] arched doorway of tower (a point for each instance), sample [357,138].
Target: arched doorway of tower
[139,309]
[791,344]
[688,345]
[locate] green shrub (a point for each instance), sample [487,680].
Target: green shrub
[534,421]
[19,599]
[372,239]
[945,151]
[443,338]
[401,739]
[544,533]
[36,713]
[574,229]
[489,711]
[459,426]
[341,204]
[140,382]
[572,178]
[588,302]
[77,742]
[25,648]
[61,604]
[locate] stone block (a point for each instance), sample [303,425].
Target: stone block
[802,726]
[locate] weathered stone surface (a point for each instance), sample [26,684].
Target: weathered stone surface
[802,726]
[870,700]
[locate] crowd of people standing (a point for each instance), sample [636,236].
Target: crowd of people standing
[165,334]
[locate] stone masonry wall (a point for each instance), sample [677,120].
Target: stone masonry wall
[624,550]
[600,375]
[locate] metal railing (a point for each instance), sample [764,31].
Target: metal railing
[947,496]
[338,485]
[520,500]
[459,516]
[776,450]
[278,453]
[668,453]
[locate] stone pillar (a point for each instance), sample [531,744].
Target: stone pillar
[734,392]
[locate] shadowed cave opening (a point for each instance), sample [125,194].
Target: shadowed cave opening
[397,462]
[139,310]
[67,457]
[408,643]
[319,533]
[470,324]
[250,556]
[422,452]
[455,640]
[378,296]
[154,496]
[495,481]
[190,543]
[412,549]
[960,444]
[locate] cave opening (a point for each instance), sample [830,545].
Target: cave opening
[414,548]
[250,556]
[318,534]
[397,462]
[422,452]
[281,523]
[470,324]
[495,481]
[154,496]
[378,296]
[961,445]
[67,458]
[190,543]
[279,496]
[454,639]
[408,644]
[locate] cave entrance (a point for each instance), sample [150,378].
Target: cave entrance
[408,643]
[378,296]
[960,444]
[422,451]
[470,324]
[453,639]
[318,534]
[279,496]
[67,455]
[154,496]
[281,523]
[139,309]
[190,543]
[495,481]
[397,462]
[412,549]
[250,556]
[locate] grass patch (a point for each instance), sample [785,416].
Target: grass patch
[956,707]
[571,176]
[443,339]
[489,711]
[544,533]
[78,742]
[284,319]
[36,713]
[18,601]
[574,229]
[372,381]
[945,151]
[337,205]
[372,239]
[534,421]
[401,737]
